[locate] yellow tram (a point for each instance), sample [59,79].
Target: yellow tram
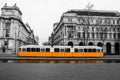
[60,51]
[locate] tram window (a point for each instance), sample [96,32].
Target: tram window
[98,50]
[67,49]
[37,49]
[62,50]
[42,50]
[94,50]
[75,50]
[89,50]
[19,49]
[85,50]
[101,50]
[33,49]
[28,49]
[47,49]
[56,49]
[80,50]
[23,49]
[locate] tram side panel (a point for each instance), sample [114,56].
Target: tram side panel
[67,52]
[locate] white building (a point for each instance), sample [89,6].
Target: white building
[13,32]
[88,27]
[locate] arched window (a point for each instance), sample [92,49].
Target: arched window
[81,44]
[91,44]
[70,43]
[100,44]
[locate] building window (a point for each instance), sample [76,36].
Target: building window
[118,35]
[83,34]
[106,35]
[69,20]
[6,43]
[7,25]
[110,35]
[97,35]
[92,35]
[118,29]
[101,29]
[7,30]
[114,35]
[113,29]
[7,35]
[118,21]
[71,30]
[88,34]
[78,35]
[70,35]
[115,22]
[92,28]
[97,29]
[79,28]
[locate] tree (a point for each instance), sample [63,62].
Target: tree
[89,6]
[85,29]
[37,38]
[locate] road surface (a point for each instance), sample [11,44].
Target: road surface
[59,71]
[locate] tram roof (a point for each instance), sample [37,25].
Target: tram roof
[38,46]
[88,47]
[34,46]
[61,46]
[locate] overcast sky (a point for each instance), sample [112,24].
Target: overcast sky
[41,14]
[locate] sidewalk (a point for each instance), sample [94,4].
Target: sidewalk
[7,55]
[112,56]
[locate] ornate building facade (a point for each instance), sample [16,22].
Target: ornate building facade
[88,27]
[13,32]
